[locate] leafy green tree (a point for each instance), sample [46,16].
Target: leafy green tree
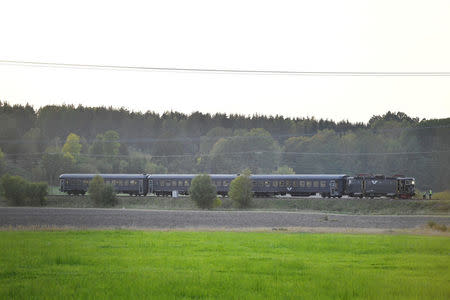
[72,145]
[284,170]
[152,168]
[241,190]
[32,143]
[111,143]
[103,195]
[97,145]
[213,135]
[202,191]
[55,163]
[254,149]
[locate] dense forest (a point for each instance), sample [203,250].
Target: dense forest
[42,144]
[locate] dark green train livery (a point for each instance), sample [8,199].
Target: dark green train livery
[78,184]
[264,185]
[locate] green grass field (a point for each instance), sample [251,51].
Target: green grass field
[140,264]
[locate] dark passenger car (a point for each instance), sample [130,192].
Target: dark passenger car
[78,184]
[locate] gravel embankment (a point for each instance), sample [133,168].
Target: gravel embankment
[170,219]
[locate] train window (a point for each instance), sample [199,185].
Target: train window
[174,183]
[315,183]
[85,181]
[180,182]
[226,183]
[186,183]
[282,183]
[288,183]
[302,183]
[218,183]
[126,182]
[294,183]
[267,183]
[168,182]
[275,183]
[323,183]
[308,183]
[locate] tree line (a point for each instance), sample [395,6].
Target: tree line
[41,144]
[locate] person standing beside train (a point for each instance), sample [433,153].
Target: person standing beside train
[430,193]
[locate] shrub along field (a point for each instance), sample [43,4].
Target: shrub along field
[139,264]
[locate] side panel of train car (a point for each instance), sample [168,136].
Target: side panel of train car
[299,185]
[263,185]
[165,184]
[78,184]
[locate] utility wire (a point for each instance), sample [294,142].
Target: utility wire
[214,70]
[256,152]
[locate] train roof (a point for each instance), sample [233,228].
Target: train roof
[299,176]
[107,176]
[256,176]
[180,176]
[213,176]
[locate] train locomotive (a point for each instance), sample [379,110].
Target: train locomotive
[264,185]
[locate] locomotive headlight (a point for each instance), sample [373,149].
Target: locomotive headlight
[413,182]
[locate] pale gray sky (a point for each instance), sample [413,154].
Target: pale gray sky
[359,35]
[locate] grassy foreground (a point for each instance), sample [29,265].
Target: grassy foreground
[139,264]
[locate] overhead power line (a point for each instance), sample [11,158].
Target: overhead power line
[149,140]
[255,152]
[214,70]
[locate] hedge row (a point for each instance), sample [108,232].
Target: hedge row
[20,192]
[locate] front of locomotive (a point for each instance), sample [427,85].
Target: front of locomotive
[407,187]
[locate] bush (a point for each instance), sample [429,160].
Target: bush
[14,189]
[20,192]
[241,191]
[202,191]
[103,195]
[217,202]
[434,226]
[37,192]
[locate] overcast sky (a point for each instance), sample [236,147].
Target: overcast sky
[365,36]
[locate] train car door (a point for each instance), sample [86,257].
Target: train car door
[363,186]
[141,186]
[332,187]
[150,186]
[61,185]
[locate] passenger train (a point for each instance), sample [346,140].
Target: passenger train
[264,185]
